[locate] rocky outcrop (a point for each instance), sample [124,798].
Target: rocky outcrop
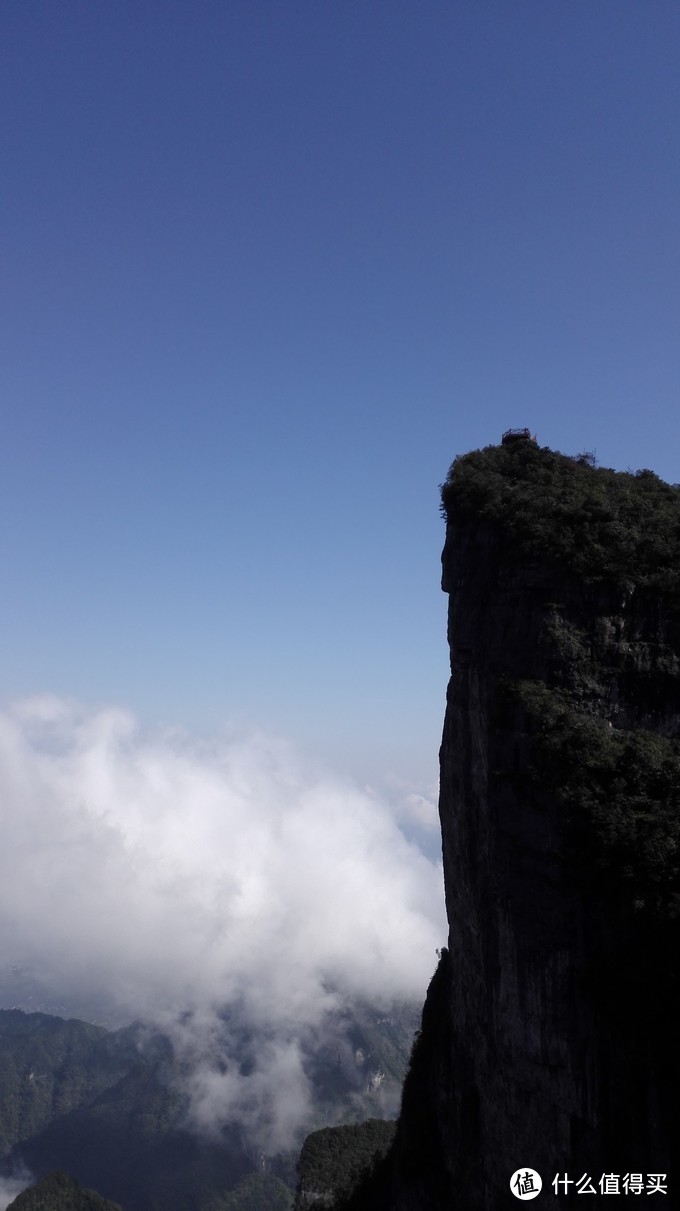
[550,1032]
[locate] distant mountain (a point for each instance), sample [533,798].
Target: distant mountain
[25,988]
[256,1192]
[131,1143]
[362,1076]
[49,1067]
[110,1108]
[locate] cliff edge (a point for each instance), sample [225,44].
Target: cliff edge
[550,1030]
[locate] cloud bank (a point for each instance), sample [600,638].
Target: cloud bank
[171,877]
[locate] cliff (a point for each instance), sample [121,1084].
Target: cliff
[550,1030]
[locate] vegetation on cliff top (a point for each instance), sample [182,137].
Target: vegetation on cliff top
[605,525]
[618,786]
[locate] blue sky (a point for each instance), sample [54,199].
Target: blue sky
[268,267]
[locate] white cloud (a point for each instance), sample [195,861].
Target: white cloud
[170,876]
[12,1185]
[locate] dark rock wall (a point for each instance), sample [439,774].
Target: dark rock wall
[550,1031]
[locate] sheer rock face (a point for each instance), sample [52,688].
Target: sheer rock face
[550,1030]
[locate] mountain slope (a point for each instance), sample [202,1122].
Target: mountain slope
[49,1066]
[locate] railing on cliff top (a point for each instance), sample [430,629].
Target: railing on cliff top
[514,435]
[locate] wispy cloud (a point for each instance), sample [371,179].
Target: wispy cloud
[12,1185]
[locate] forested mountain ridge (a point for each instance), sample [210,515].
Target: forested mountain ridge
[111,1109]
[59,1192]
[49,1067]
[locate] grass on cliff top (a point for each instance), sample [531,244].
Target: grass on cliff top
[606,525]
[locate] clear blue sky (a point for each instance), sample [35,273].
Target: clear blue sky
[267,268]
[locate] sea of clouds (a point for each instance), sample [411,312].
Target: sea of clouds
[169,877]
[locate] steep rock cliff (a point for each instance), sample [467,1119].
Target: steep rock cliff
[550,1031]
